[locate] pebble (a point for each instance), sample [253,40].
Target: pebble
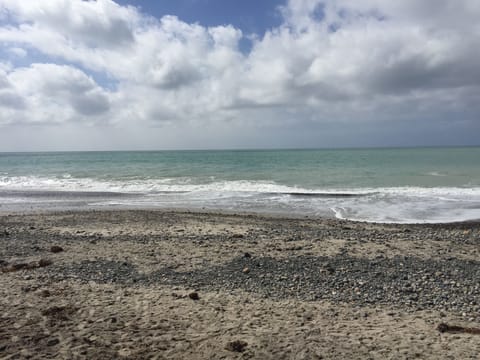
[56,249]
[445,283]
[53,342]
[44,262]
[44,293]
[194,296]
[236,346]
[399,281]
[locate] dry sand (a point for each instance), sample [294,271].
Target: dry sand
[73,310]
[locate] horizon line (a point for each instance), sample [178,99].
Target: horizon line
[248,149]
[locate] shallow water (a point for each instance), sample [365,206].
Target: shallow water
[380,185]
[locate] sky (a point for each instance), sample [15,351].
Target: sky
[214,74]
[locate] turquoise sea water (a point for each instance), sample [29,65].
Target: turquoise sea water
[383,185]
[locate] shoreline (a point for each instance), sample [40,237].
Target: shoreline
[226,212]
[395,205]
[285,286]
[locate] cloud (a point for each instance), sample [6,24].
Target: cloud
[18,52]
[51,94]
[11,100]
[99,23]
[333,61]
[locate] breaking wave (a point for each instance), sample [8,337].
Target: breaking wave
[385,205]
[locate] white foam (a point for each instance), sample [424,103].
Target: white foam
[435,173]
[389,204]
[413,205]
[68,183]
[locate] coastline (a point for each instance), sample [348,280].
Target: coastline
[289,287]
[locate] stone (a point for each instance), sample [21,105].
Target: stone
[246,270]
[44,293]
[194,296]
[59,313]
[53,342]
[56,249]
[45,262]
[236,346]
[19,266]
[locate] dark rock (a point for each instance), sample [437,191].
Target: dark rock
[237,236]
[247,255]
[194,296]
[442,327]
[45,262]
[236,346]
[56,249]
[61,313]
[53,310]
[44,293]
[329,268]
[53,342]
[18,267]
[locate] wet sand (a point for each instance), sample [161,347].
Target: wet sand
[176,285]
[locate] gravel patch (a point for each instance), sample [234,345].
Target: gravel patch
[401,281]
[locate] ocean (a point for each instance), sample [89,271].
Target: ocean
[404,185]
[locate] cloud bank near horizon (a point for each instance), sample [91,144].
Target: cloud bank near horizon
[330,64]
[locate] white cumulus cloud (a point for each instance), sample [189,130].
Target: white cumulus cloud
[330,62]
[49,93]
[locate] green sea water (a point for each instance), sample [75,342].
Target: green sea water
[386,185]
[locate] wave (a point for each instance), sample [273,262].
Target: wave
[329,194]
[68,183]
[164,186]
[374,204]
[436,173]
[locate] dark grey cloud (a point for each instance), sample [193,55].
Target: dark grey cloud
[4,82]
[90,104]
[414,73]
[175,76]
[11,100]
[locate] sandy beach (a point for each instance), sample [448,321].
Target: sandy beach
[185,285]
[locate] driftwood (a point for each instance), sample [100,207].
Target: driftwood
[445,328]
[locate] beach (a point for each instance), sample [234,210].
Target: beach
[163,284]
[283,179]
